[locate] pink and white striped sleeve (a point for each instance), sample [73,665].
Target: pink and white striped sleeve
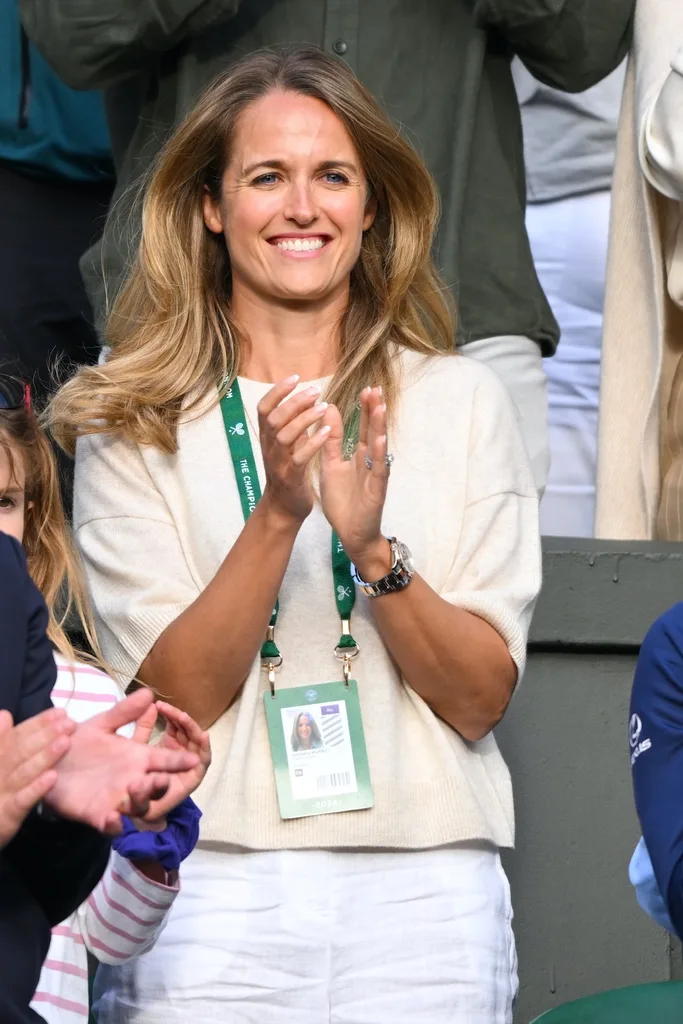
[126,912]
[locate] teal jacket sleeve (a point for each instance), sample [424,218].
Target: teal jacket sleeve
[567,44]
[93,45]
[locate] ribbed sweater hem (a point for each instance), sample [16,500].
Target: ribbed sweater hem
[410,817]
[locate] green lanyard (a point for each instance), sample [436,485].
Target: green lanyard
[246,475]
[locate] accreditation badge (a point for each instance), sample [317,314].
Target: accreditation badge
[318,749]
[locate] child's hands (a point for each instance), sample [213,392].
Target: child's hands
[182,734]
[143,731]
[102,775]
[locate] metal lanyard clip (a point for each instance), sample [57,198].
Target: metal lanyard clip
[346,649]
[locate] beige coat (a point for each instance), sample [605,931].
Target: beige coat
[643,334]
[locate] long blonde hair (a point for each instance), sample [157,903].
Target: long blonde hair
[170,329]
[50,553]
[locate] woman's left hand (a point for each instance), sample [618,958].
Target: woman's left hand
[352,495]
[181,733]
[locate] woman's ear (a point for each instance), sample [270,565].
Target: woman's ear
[370,213]
[212,213]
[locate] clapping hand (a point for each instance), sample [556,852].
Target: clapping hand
[288,447]
[353,491]
[181,733]
[102,775]
[28,755]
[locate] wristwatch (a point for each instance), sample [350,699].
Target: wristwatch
[402,572]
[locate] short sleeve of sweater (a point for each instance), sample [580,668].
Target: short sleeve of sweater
[136,568]
[496,573]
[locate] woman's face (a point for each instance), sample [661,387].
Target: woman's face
[304,730]
[12,499]
[294,202]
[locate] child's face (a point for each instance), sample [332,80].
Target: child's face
[12,499]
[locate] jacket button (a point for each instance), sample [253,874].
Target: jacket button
[340,47]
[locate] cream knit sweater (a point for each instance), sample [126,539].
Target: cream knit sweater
[154,529]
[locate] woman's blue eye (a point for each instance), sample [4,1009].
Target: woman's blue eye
[339,179]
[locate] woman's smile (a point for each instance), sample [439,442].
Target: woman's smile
[300,247]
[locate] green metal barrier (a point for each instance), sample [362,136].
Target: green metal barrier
[657,1003]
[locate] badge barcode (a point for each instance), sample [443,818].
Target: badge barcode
[334,779]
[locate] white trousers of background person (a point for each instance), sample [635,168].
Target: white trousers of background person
[518,363]
[327,937]
[569,243]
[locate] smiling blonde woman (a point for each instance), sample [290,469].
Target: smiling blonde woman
[281,402]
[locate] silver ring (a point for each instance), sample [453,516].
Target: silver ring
[388,461]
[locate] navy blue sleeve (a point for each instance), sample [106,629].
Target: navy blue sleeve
[27,664]
[656,745]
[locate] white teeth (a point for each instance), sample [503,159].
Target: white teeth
[300,244]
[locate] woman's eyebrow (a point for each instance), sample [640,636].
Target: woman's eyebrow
[281,165]
[346,164]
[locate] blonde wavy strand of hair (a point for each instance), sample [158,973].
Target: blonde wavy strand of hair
[170,329]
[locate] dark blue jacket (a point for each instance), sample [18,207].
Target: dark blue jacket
[48,869]
[656,745]
[47,130]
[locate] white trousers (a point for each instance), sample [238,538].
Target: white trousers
[518,363]
[569,244]
[322,937]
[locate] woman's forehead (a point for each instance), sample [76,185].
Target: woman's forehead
[285,126]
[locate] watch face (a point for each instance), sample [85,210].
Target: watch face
[405,556]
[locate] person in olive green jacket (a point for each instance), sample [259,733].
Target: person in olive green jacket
[441,68]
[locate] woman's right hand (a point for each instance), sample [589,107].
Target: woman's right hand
[288,448]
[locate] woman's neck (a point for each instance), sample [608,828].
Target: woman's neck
[282,340]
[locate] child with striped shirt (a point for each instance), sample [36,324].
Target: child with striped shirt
[129,907]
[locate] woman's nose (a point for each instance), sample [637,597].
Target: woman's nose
[300,204]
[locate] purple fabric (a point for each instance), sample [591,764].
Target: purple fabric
[169,847]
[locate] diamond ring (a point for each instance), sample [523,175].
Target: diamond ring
[388,461]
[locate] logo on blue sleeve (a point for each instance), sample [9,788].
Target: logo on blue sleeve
[635,728]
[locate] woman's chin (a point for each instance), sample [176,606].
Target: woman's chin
[306,292]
